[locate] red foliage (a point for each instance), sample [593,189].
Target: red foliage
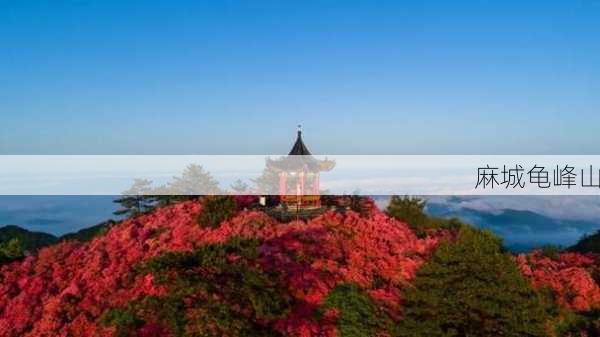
[245,200]
[567,275]
[65,288]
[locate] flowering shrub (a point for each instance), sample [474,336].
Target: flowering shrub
[245,200]
[568,275]
[218,287]
[338,274]
[65,288]
[101,287]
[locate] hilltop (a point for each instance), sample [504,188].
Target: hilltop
[29,240]
[172,272]
[68,287]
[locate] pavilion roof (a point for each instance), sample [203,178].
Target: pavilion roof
[299,149]
[300,158]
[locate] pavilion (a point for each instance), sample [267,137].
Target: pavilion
[299,176]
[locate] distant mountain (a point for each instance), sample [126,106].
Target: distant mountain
[30,241]
[55,214]
[521,230]
[89,233]
[588,244]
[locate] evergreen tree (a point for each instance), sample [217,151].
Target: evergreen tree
[137,199]
[584,324]
[10,251]
[358,316]
[472,288]
[411,210]
[164,196]
[216,209]
[194,181]
[408,209]
[239,186]
[231,297]
[267,182]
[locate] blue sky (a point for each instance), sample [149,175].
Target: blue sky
[235,77]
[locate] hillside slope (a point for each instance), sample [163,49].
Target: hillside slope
[73,289]
[88,233]
[30,241]
[588,244]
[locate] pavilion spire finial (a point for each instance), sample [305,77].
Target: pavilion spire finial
[299,148]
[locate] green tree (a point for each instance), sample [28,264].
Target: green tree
[412,211]
[359,316]
[240,186]
[550,251]
[137,199]
[267,182]
[231,297]
[579,324]
[194,181]
[10,250]
[216,209]
[164,196]
[142,196]
[471,287]
[408,209]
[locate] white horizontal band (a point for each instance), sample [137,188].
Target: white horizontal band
[350,174]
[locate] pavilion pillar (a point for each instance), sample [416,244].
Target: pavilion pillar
[302,180]
[282,184]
